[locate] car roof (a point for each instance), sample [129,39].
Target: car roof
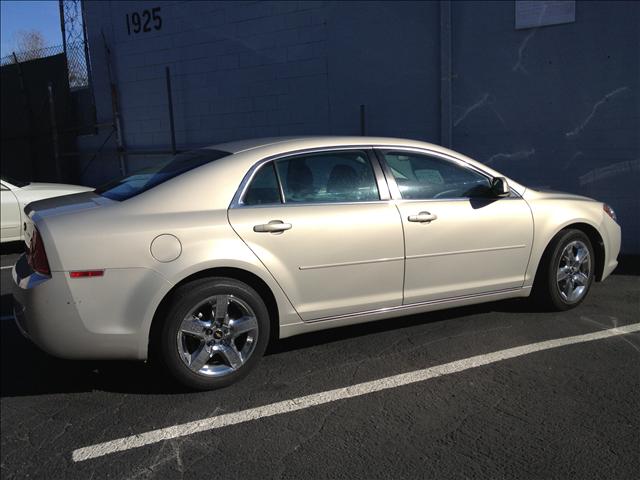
[245,153]
[280,145]
[299,142]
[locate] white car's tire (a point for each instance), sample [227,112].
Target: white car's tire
[214,332]
[566,271]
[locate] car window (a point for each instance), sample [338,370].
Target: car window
[13,181]
[263,189]
[163,170]
[424,177]
[328,177]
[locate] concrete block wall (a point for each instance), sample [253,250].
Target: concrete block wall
[555,106]
[238,69]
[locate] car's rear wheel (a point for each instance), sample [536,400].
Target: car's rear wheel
[566,271]
[214,332]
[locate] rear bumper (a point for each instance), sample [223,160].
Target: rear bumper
[87,318]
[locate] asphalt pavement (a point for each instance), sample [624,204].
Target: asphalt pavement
[571,411]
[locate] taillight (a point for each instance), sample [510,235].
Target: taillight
[36,256]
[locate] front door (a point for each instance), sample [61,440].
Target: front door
[459,239]
[319,225]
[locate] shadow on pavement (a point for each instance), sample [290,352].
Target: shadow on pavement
[628,265]
[12,247]
[26,370]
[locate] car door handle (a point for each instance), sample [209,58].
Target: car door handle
[274,226]
[423,217]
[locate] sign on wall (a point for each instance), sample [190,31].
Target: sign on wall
[535,13]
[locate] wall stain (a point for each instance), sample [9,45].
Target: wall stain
[521,155]
[594,109]
[519,63]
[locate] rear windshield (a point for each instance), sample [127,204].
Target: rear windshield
[14,181]
[172,166]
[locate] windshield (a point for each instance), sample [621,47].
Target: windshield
[164,170]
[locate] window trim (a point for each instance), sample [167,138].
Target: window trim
[393,185]
[381,182]
[279,185]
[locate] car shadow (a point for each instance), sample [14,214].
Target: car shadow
[26,370]
[397,323]
[12,247]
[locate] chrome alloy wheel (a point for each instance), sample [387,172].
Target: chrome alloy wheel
[574,271]
[218,336]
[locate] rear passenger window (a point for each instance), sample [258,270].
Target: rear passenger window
[328,177]
[263,189]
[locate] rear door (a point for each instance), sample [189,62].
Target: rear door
[460,240]
[323,225]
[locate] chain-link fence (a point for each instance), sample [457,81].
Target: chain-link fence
[76,61]
[77,64]
[19,57]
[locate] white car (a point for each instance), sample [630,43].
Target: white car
[16,195]
[201,260]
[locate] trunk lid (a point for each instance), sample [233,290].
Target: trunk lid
[56,206]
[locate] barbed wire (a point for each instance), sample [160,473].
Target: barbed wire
[76,61]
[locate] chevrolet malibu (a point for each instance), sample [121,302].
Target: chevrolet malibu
[199,261]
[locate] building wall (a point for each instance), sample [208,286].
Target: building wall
[556,106]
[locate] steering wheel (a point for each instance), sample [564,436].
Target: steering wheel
[441,194]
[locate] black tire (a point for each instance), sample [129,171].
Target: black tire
[546,290]
[186,298]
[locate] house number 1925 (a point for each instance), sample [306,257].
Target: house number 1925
[144,22]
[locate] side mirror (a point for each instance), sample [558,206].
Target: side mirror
[500,187]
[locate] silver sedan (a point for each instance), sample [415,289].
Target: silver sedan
[199,261]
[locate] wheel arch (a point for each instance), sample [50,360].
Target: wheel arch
[245,276]
[597,243]
[595,238]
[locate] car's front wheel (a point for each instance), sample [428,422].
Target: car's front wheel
[214,332]
[566,271]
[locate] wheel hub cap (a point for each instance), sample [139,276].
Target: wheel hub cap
[217,336]
[574,271]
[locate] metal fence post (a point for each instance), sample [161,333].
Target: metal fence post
[30,120]
[446,126]
[170,103]
[54,131]
[116,111]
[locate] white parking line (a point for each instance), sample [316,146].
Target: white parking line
[295,404]
[8,266]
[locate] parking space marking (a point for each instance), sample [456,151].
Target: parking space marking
[301,403]
[8,266]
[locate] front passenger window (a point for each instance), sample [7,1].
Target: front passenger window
[423,177]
